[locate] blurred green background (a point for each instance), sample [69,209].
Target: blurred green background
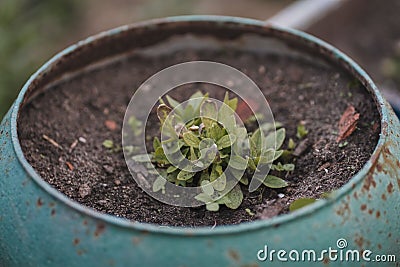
[31,31]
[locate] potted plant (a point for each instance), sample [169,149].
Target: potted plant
[63,173]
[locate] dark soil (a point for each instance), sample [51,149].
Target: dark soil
[369,32]
[297,90]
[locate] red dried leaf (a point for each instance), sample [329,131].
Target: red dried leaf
[244,111]
[347,123]
[111,125]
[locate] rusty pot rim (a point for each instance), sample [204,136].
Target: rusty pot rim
[304,38]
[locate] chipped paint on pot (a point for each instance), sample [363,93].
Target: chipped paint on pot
[39,226]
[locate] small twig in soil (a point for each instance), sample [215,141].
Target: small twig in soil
[51,141]
[73,145]
[301,148]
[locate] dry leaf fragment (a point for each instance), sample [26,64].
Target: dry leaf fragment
[70,166]
[347,123]
[111,125]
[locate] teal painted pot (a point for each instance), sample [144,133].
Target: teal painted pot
[39,226]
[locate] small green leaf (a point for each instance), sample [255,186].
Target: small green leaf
[214,172]
[275,140]
[208,112]
[226,116]
[212,206]
[244,180]
[252,164]
[292,144]
[249,212]
[162,112]
[184,175]
[237,162]
[156,143]
[226,141]
[191,139]
[220,183]
[235,196]
[343,144]
[257,141]
[136,125]
[193,155]
[238,174]
[288,167]
[274,182]
[269,156]
[280,138]
[171,169]
[215,131]
[232,103]
[108,144]
[203,197]
[283,167]
[301,131]
[159,184]
[207,187]
[159,156]
[301,202]
[141,158]
[172,102]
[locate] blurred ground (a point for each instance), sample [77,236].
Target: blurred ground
[369,32]
[31,31]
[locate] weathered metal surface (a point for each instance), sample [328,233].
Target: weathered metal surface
[39,226]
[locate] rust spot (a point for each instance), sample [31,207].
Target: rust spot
[39,202]
[370,211]
[379,246]
[76,241]
[250,265]
[234,255]
[398,182]
[355,195]
[363,207]
[85,222]
[379,167]
[344,211]
[81,251]
[326,260]
[100,227]
[386,149]
[53,212]
[52,204]
[383,197]
[390,188]
[368,182]
[359,240]
[378,214]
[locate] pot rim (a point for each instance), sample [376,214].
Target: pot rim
[205,230]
